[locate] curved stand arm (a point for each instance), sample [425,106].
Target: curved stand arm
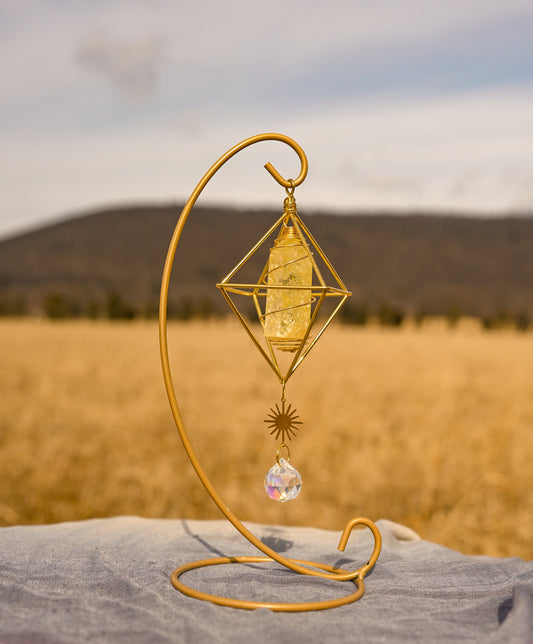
[297,566]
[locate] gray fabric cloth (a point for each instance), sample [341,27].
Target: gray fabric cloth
[108,581]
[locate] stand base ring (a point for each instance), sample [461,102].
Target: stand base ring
[252,605]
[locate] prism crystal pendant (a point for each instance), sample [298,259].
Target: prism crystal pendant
[283,482]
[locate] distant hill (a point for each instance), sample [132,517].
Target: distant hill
[418,263]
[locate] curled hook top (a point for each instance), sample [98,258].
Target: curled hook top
[290,184]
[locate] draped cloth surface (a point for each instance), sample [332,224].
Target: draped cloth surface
[107,580]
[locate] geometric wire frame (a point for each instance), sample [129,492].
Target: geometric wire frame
[319,291]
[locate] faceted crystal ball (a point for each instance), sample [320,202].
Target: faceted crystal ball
[283,482]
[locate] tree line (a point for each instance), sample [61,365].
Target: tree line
[113,306]
[385,314]
[57,305]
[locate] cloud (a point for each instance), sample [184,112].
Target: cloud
[130,64]
[469,152]
[412,104]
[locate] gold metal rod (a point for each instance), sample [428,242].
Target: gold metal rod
[297,221]
[252,251]
[377,537]
[322,254]
[319,334]
[295,565]
[237,289]
[273,365]
[252,605]
[299,357]
[331,291]
[279,287]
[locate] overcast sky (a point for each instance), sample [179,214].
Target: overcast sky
[398,104]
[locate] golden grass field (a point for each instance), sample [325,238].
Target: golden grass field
[430,427]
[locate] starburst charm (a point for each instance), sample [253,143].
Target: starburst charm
[283,422]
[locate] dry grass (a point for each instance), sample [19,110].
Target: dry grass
[430,427]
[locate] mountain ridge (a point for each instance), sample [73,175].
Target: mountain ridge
[431,264]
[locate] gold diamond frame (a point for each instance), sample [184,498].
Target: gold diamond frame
[258,291]
[309,568]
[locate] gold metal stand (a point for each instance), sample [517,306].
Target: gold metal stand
[308,568]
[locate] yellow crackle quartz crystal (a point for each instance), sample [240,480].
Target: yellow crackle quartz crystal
[288,311]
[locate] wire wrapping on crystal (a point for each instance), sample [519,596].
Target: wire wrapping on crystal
[288,311]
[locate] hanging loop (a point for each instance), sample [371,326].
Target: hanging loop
[288,459]
[290,190]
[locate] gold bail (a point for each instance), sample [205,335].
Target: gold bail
[287,232]
[289,203]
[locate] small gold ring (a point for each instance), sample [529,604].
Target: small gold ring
[288,459]
[290,190]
